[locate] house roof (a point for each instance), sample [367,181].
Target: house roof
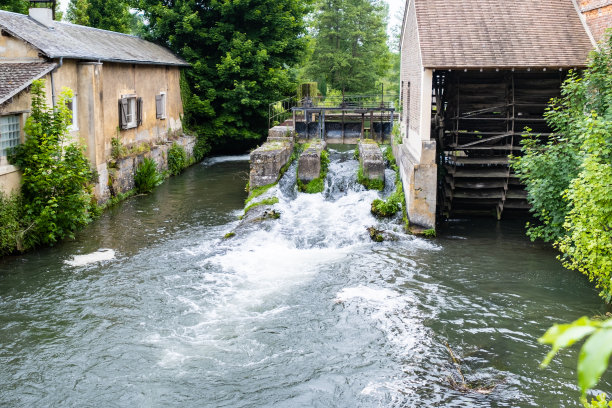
[501,34]
[15,77]
[85,43]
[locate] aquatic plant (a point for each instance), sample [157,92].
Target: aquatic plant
[147,177]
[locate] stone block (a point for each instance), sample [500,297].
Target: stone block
[371,160]
[267,161]
[309,164]
[282,132]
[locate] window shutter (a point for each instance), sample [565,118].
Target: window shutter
[123,113]
[139,111]
[158,107]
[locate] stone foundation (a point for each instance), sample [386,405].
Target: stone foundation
[309,164]
[268,159]
[371,160]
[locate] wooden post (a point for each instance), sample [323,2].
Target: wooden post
[342,126]
[362,120]
[372,124]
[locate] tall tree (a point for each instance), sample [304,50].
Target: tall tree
[113,15]
[241,54]
[350,51]
[22,6]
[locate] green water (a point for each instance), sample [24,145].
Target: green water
[304,311]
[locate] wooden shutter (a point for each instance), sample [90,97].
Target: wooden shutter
[123,122]
[139,111]
[158,107]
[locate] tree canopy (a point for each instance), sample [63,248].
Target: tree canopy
[113,15]
[242,55]
[350,50]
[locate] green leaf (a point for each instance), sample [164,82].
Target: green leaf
[593,359]
[564,335]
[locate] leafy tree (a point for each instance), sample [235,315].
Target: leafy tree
[350,51]
[594,354]
[113,15]
[241,54]
[56,178]
[22,6]
[569,177]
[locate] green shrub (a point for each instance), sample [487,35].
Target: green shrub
[177,159]
[147,177]
[390,206]
[56,176]
[10,222]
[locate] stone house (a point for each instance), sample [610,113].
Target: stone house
[474,74]
[124,87]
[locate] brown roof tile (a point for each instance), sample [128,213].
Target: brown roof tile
[15,77]
[501,33]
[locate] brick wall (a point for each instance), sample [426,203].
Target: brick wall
[598,14]
[411,74]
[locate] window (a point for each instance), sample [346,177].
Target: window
[71,104]
[130,112]
[160,106]
[10,134]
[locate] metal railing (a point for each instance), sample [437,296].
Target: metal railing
[280,111]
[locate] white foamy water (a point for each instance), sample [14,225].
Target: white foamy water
[222,159]
[103,254]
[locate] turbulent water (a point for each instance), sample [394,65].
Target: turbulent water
[151,307]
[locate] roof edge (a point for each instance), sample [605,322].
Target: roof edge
[16,91]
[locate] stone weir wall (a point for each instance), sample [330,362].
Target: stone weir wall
[269,158]
[119,174]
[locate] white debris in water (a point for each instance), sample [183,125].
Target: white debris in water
[103,254]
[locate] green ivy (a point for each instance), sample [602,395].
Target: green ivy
[10,220]
[56,175]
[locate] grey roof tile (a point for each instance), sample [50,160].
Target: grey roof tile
[73,41]
[15,77]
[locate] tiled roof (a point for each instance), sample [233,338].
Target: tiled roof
[501,33]
[86,43]
[15,77]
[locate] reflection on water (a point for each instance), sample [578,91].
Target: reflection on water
[151,307]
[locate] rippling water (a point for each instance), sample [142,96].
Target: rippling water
[150,307]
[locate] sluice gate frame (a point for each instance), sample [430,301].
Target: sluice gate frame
[342,119]
[478,119]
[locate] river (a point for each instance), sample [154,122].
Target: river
[151,307]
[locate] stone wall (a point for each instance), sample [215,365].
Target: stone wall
[118,176]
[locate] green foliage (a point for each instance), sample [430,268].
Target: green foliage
[307,89]
[265,201]
[22,6]
[241,56]
[113,201]
[118,150]
[113,15]
[56,175]
[429,233]
[350,50]
[10,220]
[569,177]
[594,354]
[316,185]
[256,192]
[147,177]
[391,205]
[370,184]
[177,159]
[395,132]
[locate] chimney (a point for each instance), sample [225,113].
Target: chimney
[43,15]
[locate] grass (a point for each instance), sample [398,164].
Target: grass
[265,201]
[390,206]
[256,192]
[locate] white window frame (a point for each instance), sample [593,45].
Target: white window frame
[9,133]
[131,114]
[163,98]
